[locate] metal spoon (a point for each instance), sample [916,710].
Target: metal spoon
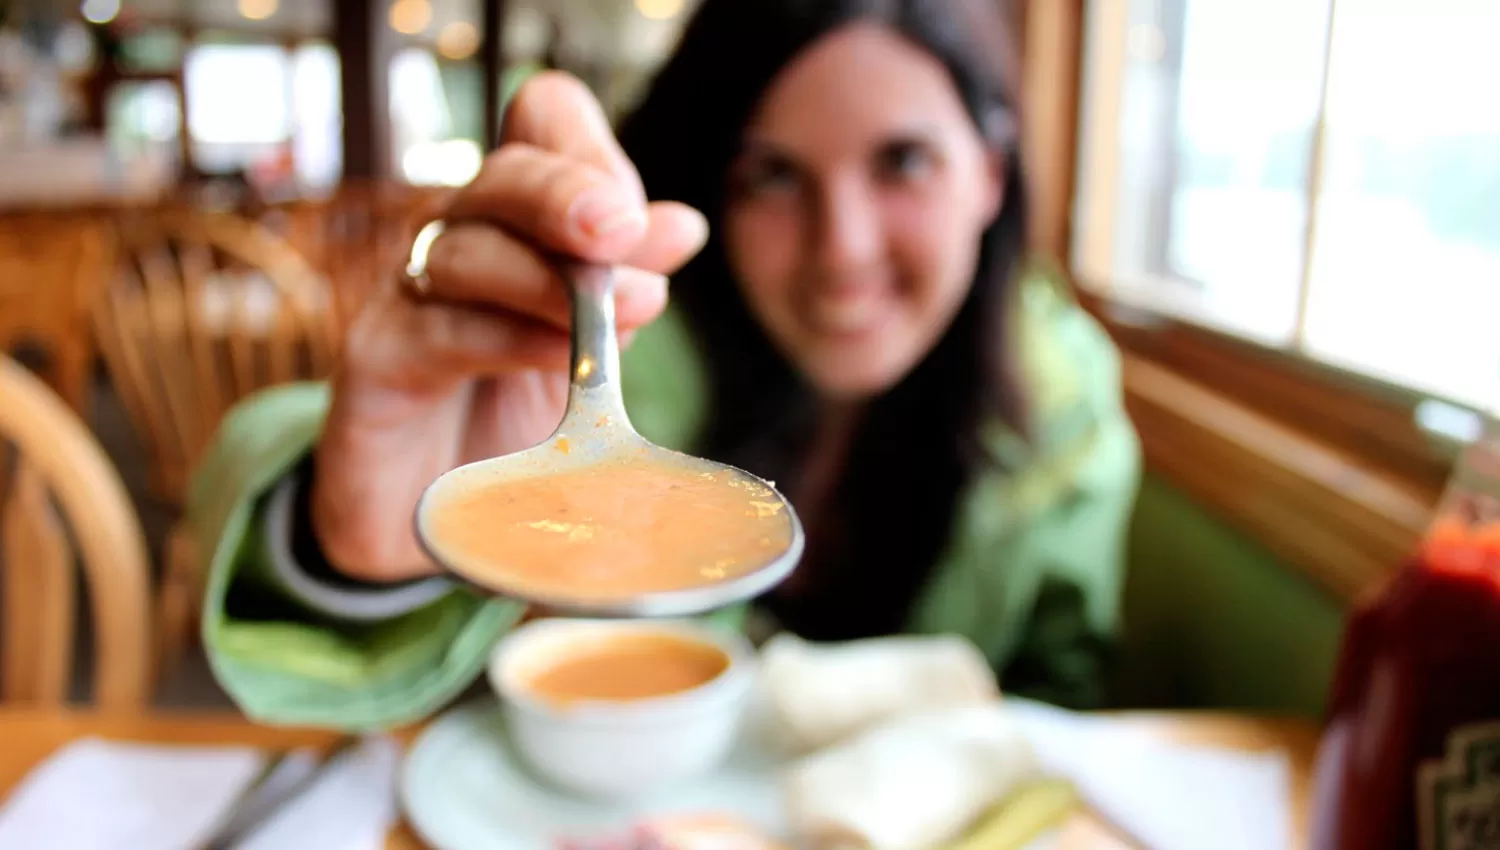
[597,431]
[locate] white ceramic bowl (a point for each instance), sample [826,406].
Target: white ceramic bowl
[627,748]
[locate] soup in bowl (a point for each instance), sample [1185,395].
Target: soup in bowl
[619,708]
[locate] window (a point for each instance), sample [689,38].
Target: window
[143,118]
[437,116]
[317,104]
[257,106]
[1318,175]
[237,102]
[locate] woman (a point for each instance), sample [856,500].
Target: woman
[838,196]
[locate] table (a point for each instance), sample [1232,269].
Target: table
[30,736]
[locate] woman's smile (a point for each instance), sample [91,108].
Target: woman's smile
[846,311]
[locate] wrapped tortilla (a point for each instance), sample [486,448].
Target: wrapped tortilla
[824,693]
[912,784]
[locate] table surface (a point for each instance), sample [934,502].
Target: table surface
[30,736]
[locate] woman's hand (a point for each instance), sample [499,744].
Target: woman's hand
[476,366]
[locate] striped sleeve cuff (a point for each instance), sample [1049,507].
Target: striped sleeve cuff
[322,590]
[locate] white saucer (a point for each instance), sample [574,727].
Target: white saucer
[463,788]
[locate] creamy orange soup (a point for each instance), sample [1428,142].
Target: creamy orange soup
[612,531]
[630,667]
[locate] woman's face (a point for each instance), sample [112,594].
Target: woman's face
[857,207]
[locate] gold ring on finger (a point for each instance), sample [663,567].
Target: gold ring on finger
[414,276]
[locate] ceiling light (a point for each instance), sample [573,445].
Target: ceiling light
[458,40]
[659,10]
[99,11]
[258,10]
[410,17]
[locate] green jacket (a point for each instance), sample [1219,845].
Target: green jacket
[1032,573]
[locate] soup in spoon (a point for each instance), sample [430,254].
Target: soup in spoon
[615,530]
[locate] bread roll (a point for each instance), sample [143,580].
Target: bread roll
[824,693]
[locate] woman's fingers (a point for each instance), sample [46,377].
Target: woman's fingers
[459,340]
[479,263]
[427,345]
[559,185]
[483,265]
[559,179]
[556,202]
[432,344]
[561,182]
[557,112]
[676,233]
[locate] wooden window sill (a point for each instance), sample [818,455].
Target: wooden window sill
[1330,474]
[1342,522]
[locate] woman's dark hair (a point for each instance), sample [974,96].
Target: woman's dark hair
[917,447]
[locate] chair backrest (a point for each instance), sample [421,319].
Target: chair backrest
[63,506]
[358,236]
[207,309]
[51,266]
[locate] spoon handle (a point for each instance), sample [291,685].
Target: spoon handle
[595,369]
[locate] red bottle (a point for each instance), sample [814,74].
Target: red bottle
[1411,755]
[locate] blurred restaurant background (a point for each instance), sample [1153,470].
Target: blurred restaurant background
[193,194]
[1285,212]
[291,98]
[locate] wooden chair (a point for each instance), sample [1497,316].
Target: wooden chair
[61,503]
[207,309]
[358,236]
[51,265]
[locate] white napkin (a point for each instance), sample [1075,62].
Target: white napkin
[822,693]
[910,784]
[102,795]
[1167,796]
[106,795]
[350,806]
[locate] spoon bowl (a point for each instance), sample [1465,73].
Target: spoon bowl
[595,434]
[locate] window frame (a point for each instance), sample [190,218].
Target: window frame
[1105,49]
[193,34]
[1330,469]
